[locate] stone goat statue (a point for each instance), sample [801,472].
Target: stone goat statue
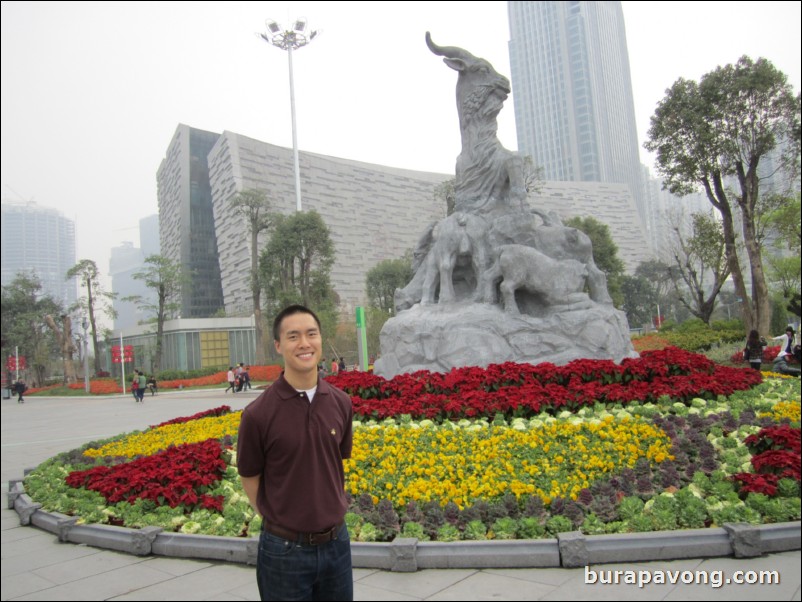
[488,176]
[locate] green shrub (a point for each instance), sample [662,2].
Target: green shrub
[186,374]
[593,525]
[530,528]
[505,528]
[368,532]
[475,530]
[559,524]
[416,530]
[448,532]
[691,510]
[630,507]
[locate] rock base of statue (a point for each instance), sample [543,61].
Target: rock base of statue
[444,336]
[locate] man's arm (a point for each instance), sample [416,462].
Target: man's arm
[251,487]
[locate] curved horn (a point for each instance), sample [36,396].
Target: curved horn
[452,52]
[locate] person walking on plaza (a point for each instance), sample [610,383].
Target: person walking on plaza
[246,378]
[142,384]
[19,388]
[292,441]
[231,378]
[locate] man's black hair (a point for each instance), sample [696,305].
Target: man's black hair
[289,311]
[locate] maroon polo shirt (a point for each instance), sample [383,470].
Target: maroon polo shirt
[298,449]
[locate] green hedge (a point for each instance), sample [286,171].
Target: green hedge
[183,374]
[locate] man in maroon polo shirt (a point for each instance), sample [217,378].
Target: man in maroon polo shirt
[292,442]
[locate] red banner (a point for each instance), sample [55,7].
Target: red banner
[12,364]
[127,354]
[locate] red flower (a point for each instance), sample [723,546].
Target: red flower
[173,477]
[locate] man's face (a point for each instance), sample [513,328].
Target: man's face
[300,343]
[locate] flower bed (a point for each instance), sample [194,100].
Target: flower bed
[525,390]
[110,386]
[610,467]
[260,373]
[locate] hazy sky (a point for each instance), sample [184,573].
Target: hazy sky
[92,92]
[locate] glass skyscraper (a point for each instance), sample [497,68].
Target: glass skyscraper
[186,220]
[572,92]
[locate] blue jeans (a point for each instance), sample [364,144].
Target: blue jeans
[289,570]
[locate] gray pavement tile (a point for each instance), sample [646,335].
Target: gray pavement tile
[362,573]
[721,570]
[229,596]
[10,518]
[124,580]
[53,553]
[87,566]
[176,566]
[489,586]
[22,584]
[545,576]
[41,541]
[214,580]
[9,536]
[422,584]
[599,583]
[364,592]
[250,591]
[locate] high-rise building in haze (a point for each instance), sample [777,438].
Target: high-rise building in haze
[41,241]
[186,220]
[572,92]
[126,260]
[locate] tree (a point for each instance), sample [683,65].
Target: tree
[640,299]
[444,194]
[383,279]
[784,224]
[96,299]
[66,345]
[659,275]
[696,257]
[295,267]
[166,278]
[717,131]
[661,278]
[23,309]
[254,207]
[605,253]
[533,175]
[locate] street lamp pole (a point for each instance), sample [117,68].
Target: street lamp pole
[290,40]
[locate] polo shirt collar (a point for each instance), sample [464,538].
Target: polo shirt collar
[286,391]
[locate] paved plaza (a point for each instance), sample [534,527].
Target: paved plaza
[35,566]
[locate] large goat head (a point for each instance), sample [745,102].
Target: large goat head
[477,81]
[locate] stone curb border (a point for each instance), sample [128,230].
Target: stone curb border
[569,550]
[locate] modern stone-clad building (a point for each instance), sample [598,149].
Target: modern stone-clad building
[611,204]
[373,212]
